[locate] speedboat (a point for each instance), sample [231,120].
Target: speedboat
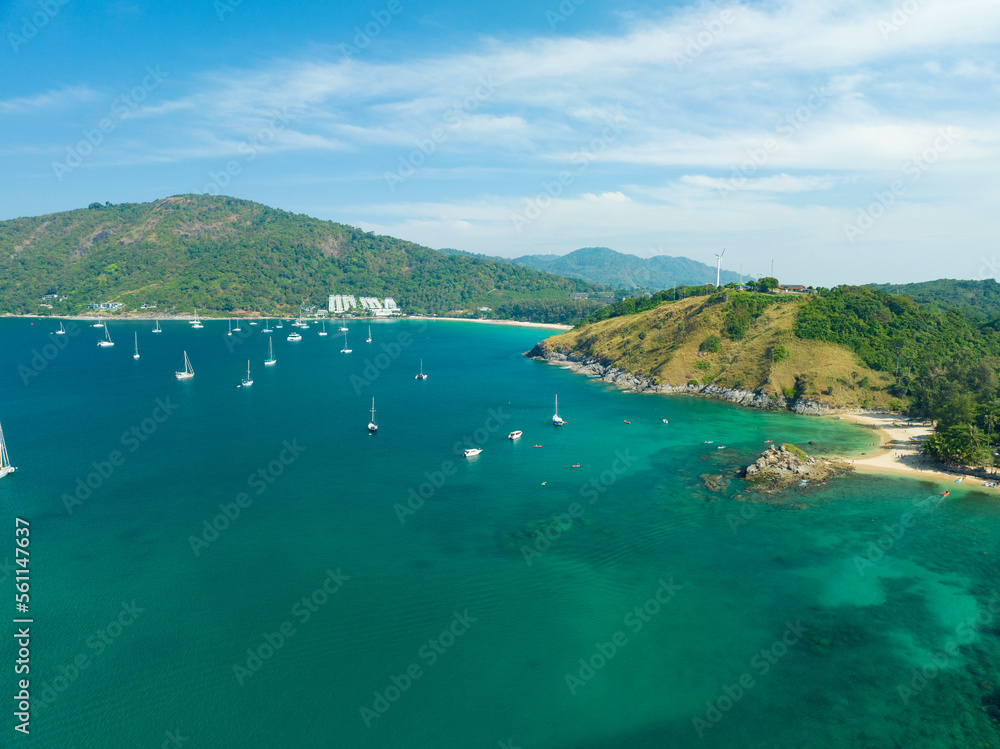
[473,452]
[293,336]
[514,435]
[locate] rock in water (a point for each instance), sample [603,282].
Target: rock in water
[783,465]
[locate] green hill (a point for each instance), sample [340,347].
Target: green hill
[225,255]
[619,270]
[841,348]
[981,299]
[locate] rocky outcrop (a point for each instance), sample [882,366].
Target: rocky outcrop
[786,464]
[638,383]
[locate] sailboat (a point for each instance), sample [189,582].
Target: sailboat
[248,381]
[98,324]
[157,328]
[62,330]
[343,324]
[267,327]
[230,326]
[420,376]
[369,338]
[323,331]
[345,350]
[270,354]
[556,419]
[372,426]
[237,328]
[107,338]
[188,372]
[279,325]
[196,323]
[5,466]
[136,354]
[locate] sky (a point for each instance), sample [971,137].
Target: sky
[844,141]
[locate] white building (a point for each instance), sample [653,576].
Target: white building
[342,304]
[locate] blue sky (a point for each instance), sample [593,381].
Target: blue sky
[847,141]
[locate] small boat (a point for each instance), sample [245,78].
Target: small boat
[279,325]
[709,442]
[5,466]
[62,330]
[556,419]
[248,381]
[136,354]
[627,421]
[516,434]
[323,331]
[420,376]
[270,354]
[944,494]
[372,426]
[98,324]
[369,338]
[267,327]
[536,445]
[721,447]
[473,452]
[157,328]
[293,336]
[345,350]
[575,465]
[343,324]
[188,372]
[230,326]
[107,338]
[766,441]
[665,421]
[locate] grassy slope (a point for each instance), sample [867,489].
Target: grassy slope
[674,331]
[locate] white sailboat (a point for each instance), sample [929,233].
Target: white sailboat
[98,324]
[107,338]
[420,376]
[369,338]
[196,323]
[372,426]
[62,330]
[556,419]
[345,350]
[323,331]
[270,354]
[188,372]
[136,354]
[343,324]
[157,328]
[5,466]
[248,381]
[230,326]
[279,325]
[237,328]
[267,327]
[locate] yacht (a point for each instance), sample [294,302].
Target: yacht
[294,336]
[196,323]
[5,466]
[369,338]
[230,326]
[345,350]
[107,338]
[62,330]
[237,328]
[157,328]
[188,372]
[556,419]
[343,324]
[372,426]
[248,381]
[323,331]
[473,452]
[420,376]
[267,327]
[270,354]
[136,354]
[515,435]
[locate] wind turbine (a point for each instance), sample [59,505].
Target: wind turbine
[718,267]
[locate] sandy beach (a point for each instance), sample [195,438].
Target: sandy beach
[896,453]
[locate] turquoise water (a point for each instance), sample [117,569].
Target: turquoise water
[443,620]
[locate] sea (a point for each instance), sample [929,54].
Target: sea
[210,565]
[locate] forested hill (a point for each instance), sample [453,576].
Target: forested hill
[223,254]
[980,299]
[618,269]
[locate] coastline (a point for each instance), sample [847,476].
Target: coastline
[256,316]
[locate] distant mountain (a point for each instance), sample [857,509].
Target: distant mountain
[980,299]
[619,270]
[221,254]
